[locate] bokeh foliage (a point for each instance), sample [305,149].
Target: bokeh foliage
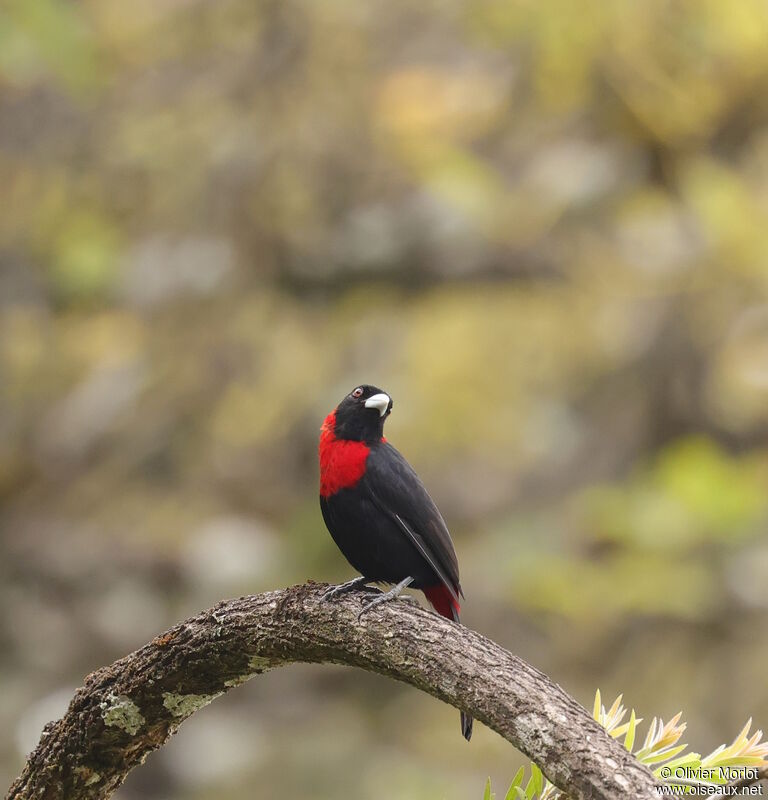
[539,225]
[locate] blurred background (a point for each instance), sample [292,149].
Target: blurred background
[540,226]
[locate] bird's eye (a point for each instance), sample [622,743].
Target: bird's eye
[358,392]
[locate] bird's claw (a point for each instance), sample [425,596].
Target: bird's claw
[406,598]
[343,588]
[392,594]
[372,604]
[329,594]
[377,601]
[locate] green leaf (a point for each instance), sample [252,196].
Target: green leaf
[656,757]
[516,781]
[596,706]
[537,777]
[660,749]
[530,790]
[629,739]
[487,793]
[742,761]
[535,783]
[691,760]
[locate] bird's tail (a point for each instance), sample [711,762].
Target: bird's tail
[447,606]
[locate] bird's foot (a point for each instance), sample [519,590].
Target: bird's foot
[343,588]
[385,597]
[407,598]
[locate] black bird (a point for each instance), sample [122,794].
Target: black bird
[379,513]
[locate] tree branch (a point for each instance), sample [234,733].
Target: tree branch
[130,708]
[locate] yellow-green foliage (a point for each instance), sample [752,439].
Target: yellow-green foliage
[540,225]
[660,750]
[657,527]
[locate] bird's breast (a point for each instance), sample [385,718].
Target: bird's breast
[342,462]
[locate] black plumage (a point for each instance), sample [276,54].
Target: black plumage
[378,511]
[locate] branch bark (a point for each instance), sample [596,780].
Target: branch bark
[126,710]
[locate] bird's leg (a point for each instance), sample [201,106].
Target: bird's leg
[343,588]
[383,598]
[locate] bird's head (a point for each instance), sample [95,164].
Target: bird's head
[360,415]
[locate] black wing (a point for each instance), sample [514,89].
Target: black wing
[397,490]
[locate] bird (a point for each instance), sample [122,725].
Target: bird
[379,513]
